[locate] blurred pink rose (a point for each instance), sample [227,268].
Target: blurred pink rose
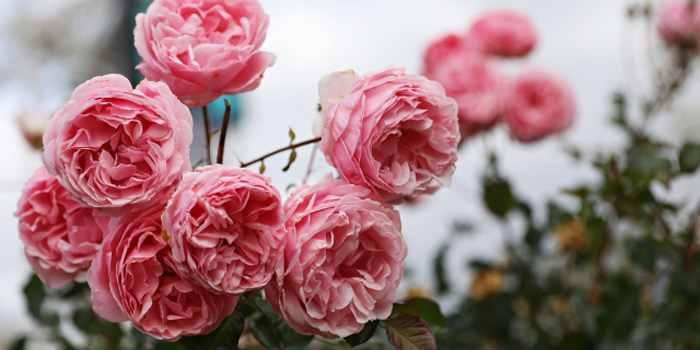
[394,133]
[442,50]
[503,33]
[61,236]
[343,259]
[134,279]
[679,22]
[115,148]
[538,104]
[203,49]
[224,225]
[477,86]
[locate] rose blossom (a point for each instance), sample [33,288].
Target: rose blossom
[538,104]
[477,86]
[116,148]
[394,133]
[343,259]
[442,50]
[679,22]
[61,236]
[134,279]
[503,33]
[224,225]
[203,49]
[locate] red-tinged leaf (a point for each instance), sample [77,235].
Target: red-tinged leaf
[409,332]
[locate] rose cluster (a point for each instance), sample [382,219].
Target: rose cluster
[172,249]
[533,104]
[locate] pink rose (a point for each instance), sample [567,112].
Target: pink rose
[442,50]
[203,49]
[134,279]
[679,23]
[61,236]
[394,133]
[503,33]
[342,262]
[116,148]
[537,105]
[477,86]
[225,226]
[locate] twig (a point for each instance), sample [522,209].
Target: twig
[309,168]
[207,136]
[292,146]
[222,136]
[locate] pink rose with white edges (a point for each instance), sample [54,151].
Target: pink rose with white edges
[342,262]
[679,22]
[203,48]
[477,86]
[61,236]
[538,104]
[503,33]
[394,133]
[224,225]
[134,279]
[115,148]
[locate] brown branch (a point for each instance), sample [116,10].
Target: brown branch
[292,146]
[222,135]
[207,136]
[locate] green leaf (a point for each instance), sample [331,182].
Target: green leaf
[426,309]
[440,272]
[364,335]
[689,157]
[265,331]
[35,295]
[409,332]
[226,336]
[262,168]
[498,196]
[292,158]
[292,136]
[292,338]
[264,307]
[86,320]
[19,344]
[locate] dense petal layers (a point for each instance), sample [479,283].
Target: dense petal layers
[134,279]
[61,236]
[342,261]
[394,133]
[203,48]
[225,228]
[116,148]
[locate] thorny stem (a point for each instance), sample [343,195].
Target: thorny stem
[207,136]
[222,136]
[292,146]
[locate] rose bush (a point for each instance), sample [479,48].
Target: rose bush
[394,133]
[203,49]
[224,226]
[134,278]
[537,105]
[342,261]
[116,148]
[61,236]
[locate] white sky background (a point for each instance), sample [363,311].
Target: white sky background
[581,40]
